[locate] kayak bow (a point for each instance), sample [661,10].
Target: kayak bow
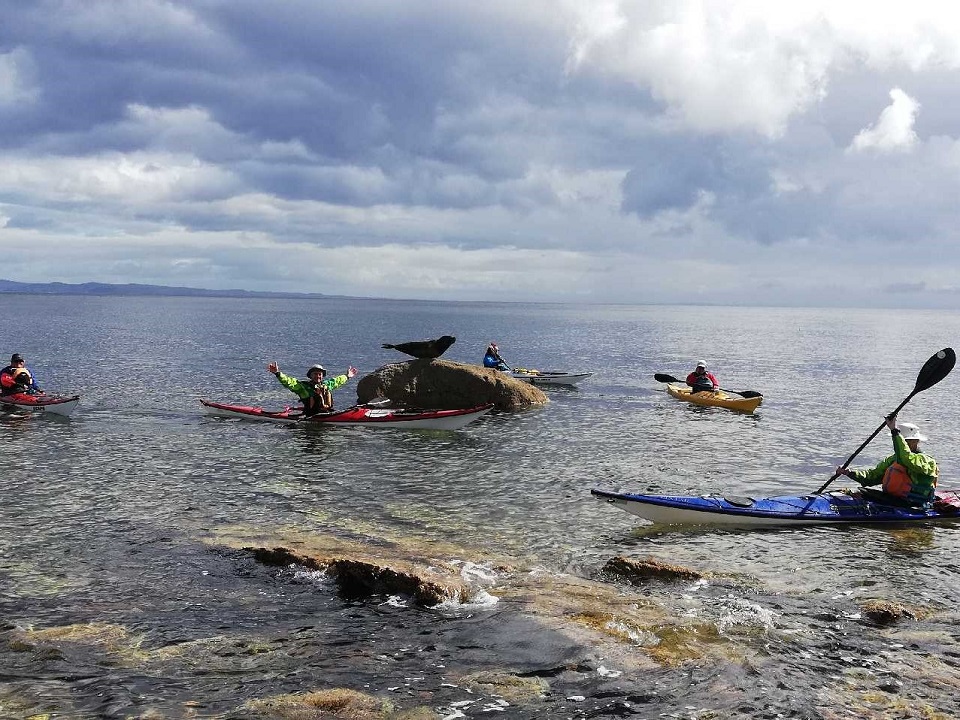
[54,404]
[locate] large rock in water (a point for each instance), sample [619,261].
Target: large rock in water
[446,385]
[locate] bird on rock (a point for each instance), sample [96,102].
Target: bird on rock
[424,349]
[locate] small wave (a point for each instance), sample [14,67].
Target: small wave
[479,600]
[308,575]
[395,601]
[737,611]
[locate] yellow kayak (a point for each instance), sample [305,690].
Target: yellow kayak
[717,398]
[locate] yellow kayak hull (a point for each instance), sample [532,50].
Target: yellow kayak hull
[717,398]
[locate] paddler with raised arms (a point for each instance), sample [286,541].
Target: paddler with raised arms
[315,392]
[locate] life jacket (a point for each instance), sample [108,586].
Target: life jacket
[897,482]
[702,383]
[492,361]
[12,380]
[320,400]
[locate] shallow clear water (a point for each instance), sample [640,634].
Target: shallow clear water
[104,512]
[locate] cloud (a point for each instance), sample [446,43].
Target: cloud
[894,129]
[723,65]
[616,150]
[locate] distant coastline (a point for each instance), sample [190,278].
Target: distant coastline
[135,289]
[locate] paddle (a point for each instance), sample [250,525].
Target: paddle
[933,371]
[661,377]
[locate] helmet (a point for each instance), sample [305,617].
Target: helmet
[911,432]
[16,358]
[321,368]
[703,364]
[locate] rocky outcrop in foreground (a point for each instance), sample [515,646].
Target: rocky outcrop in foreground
[447,385]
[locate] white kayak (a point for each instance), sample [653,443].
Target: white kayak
[53,404]
[549,377]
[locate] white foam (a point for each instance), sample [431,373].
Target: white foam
[395,601]
[737,611]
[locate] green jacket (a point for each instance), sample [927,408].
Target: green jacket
[305,390]
[921,468]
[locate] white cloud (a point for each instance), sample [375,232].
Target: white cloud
[133,178]
[894,129]
[723,65]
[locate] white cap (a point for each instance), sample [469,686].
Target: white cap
[911,432]
[703,364]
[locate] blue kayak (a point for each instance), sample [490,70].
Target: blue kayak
[830,508]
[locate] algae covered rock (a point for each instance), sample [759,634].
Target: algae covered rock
[638,571]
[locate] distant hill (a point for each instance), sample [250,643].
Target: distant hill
[131,289]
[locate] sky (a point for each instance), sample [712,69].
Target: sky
[623,151]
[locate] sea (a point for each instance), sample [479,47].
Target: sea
[126,590]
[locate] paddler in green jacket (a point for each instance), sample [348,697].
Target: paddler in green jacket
[315,393]
[908,474]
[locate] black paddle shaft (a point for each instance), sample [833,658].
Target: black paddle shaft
[663,377]
[933,371]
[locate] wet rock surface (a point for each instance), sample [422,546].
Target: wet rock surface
[640,571]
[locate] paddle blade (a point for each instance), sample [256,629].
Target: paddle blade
[661,377]
[935,369]
[747,393]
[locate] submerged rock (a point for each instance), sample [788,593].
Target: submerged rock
[447,385]
[885,612]
[593,618]
[334,703]
[358,577]
[637,571]
[505,684]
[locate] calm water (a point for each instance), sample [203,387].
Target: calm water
[104,514]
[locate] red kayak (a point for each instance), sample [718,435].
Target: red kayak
[56,404]
[365,415]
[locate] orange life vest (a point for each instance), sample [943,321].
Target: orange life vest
[897,482]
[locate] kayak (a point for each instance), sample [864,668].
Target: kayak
[830,508]
[549,377]
[56,404]
[365,415]
[717,398]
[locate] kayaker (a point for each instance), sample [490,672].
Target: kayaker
[908,475]
[315,393]
[15,378]
[492,358]
[702,381]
